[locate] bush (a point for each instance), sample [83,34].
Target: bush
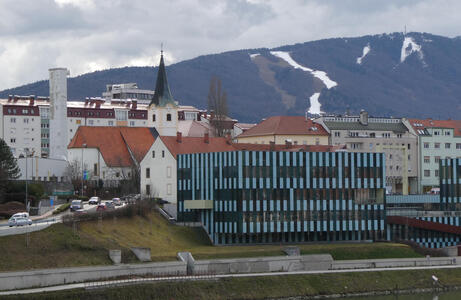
[61,208]
[10,208]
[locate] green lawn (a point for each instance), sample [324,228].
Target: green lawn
[271,287]
[57,246]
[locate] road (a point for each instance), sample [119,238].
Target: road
[43,223]
[112,283]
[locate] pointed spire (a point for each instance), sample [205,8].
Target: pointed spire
[162,94]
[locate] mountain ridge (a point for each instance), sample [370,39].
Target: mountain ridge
[414,75]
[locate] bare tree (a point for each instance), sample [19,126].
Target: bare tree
[217,105]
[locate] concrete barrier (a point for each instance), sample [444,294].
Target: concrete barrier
[48,277]
[143,254]
[392,263]
[450,251]
[264,264]
[115,256]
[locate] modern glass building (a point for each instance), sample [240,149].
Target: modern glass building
[243,197]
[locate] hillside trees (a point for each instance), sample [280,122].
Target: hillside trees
[217,105]
[9,169]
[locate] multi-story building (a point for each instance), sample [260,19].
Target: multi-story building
[279,129]
[128,91]
[437,140]
[25,121]
[245,197]
[388,135]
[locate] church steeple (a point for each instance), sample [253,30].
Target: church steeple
[162,94]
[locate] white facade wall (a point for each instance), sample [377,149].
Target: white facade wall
[21,132]
[162,173]
[58,113]
[42,169]
[94,163]
[161,123]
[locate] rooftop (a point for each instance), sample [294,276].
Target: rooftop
[420,126]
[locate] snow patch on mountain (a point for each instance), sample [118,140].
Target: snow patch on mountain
[314,99]
[409,47]
[365,51]
[315,104]
[319,74]
[253,55]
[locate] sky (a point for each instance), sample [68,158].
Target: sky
[90,35]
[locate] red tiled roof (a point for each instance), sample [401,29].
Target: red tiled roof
[418,124]
[292,148]
[196,145]
[285,125]
[115,143]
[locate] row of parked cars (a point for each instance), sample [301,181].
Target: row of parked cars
[77,205]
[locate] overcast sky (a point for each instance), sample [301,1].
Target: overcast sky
[89,35]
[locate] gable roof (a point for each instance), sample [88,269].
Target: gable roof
[420,126]
[117,145]
[196,145]
[285,125]
[194,128]
[394,127]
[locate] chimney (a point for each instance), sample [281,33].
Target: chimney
[271,146]
[363,117]
[10,97]
[31,100]
[228,138]
[206,138]
[87,100]
[98,103]
[15,98]
[134,104]
[179,137]
[287,144]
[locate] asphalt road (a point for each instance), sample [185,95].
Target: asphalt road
[114,283]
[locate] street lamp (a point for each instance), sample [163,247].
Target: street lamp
[27,153]
[83,146]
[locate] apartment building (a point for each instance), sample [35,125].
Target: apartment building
[437,140]
[387,135]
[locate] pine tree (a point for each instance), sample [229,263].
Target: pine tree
[9,169]
[217,104]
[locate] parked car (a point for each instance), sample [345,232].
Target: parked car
[19,219]
[94,200]
[109,205]
[101,207]
[76,205]
[117,201]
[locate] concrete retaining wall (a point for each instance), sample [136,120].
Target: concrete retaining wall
[48,277]
[264,264]
[393,262]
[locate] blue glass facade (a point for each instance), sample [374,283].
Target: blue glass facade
[277,197]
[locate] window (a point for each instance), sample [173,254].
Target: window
[168,117]
[447,145]
[317,141]
[78,122]
[117,174]
[90,122]
[337,134]
[147,189]
[447,132]
[13,140]
[458,146]
[399,135]
[436,133]
[147,172]
[131,123]
[436,173]
[427,159]
[168,189]
[409,146]
[437,145]
[426,145]
[437,159]
[371,146]
[168,172]
[386,135]
[111,123]
[163,153]
[13,120]
[95,169]
[153,118]
[153,154]
[427,173]
[26,120]
[390,156]
[121,115]
[372,135]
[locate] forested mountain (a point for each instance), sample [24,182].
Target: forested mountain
[414,75]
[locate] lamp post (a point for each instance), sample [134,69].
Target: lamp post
[83,146]
[27,153]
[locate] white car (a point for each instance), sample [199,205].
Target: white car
[94,200]
[19,220]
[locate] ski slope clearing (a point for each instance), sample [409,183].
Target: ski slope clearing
[366,50]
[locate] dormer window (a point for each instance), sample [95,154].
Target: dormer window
[168,117]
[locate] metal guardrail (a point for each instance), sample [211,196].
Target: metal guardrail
[53,220]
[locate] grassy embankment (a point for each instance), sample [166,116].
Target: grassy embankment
[57,246]
[271,287]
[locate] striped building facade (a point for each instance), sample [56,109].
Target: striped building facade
[243,197]
[450,183]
